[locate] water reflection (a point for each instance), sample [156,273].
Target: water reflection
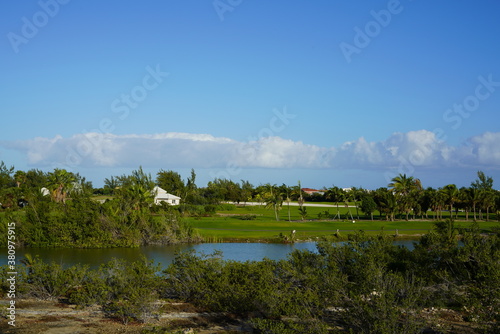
[166,254]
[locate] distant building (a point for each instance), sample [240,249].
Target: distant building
[161,195]
[312,191]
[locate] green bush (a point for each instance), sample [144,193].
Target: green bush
[209,209]
[226,207]
[131,289]
[247,217]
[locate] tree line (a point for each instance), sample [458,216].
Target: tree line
[404,197]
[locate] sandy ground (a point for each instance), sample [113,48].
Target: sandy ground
[52,317]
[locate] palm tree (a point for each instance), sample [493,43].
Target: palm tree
[437,203]
[137,189]
[356,195]
[402,185]
[287,191]
[20,177]
[274,199]
[475,198]
[484,185]
[488,201]
[386,202]
[426,199]
[497,204]
[348,197]
[298,190]
[464,200]
[60,184]
[336,194]
[416,201]
[450,193]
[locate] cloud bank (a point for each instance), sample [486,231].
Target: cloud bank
[175,150]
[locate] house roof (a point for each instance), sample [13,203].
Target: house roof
[162,193]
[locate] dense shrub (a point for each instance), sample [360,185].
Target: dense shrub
[131,289]
[84,223]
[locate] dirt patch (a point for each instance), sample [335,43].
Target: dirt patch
[53,317]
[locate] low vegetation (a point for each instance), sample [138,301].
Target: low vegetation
[446,284]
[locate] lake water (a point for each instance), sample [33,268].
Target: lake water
[166,254]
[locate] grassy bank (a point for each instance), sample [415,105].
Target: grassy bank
[254,223]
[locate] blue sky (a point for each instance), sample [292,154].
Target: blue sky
[326,92]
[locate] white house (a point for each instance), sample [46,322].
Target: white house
[161,195]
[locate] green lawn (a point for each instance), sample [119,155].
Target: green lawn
[229,225]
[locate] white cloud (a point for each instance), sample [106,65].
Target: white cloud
[486,148]
[174,150]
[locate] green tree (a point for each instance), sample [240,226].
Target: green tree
[6,179]
[191,193]
[497,204]
[36,180]
[386,202]
[171,181]
[246,191]
[484,185]
[368,205]
[111,184]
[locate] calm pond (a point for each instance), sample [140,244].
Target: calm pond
[166,254]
